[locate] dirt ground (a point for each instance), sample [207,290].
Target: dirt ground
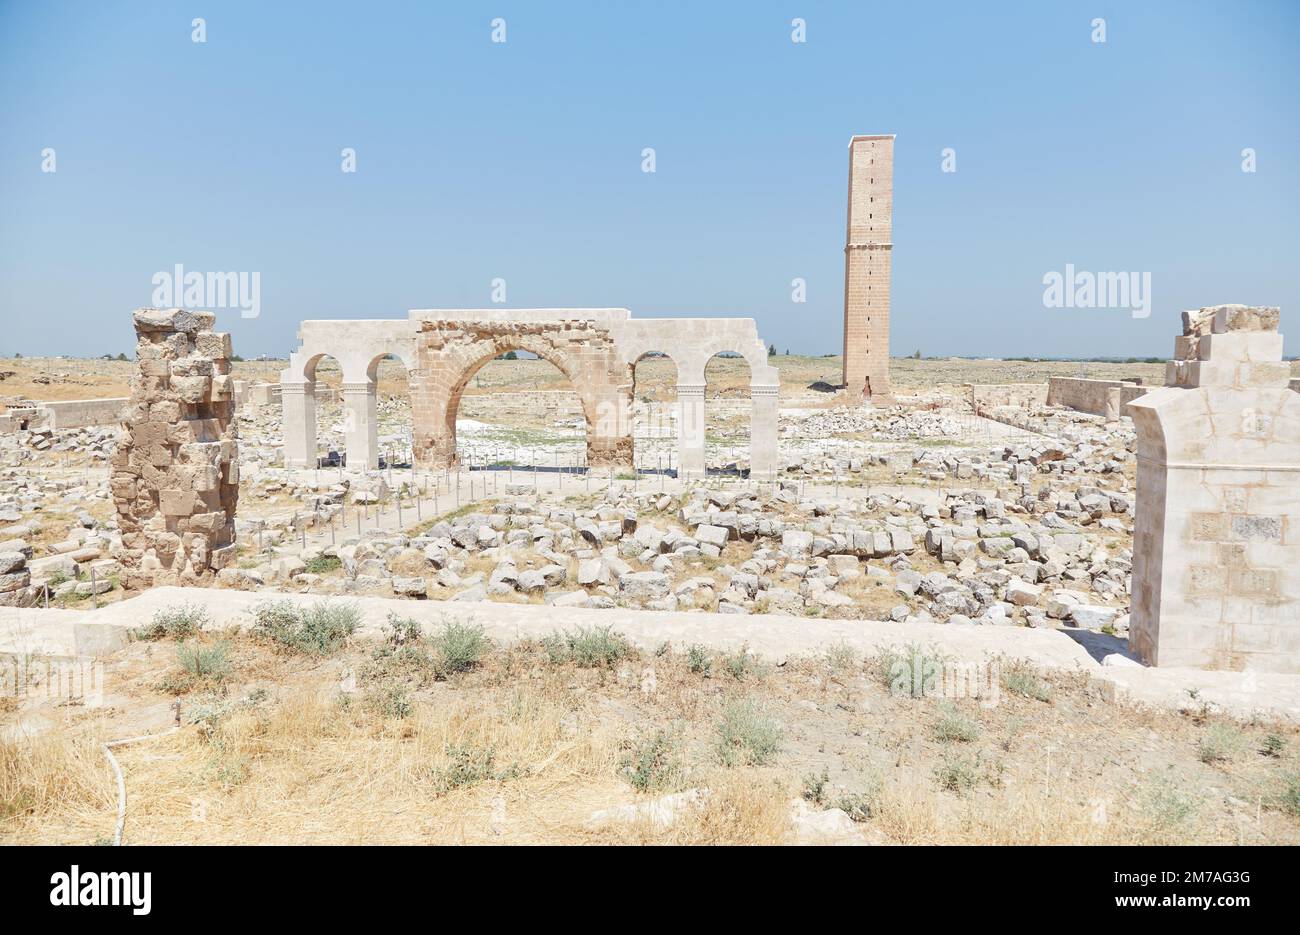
[379,744]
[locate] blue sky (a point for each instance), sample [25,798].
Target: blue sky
[522,160]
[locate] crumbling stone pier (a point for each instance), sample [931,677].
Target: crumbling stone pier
[175,479]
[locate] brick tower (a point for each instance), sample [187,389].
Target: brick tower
[867,267]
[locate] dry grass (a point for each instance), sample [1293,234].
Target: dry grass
[522,750]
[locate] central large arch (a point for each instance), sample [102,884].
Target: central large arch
[450,352]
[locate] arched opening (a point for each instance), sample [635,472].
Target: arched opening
[393,416]
[326,429]
[513,408]
[728,410]
[655,419]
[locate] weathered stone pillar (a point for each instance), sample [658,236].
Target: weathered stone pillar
[762,431]
[1216,544]
[175,477]
[298,424]
[361,425]
[690,430]
[609,433]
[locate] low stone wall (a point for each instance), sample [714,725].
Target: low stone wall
[264,394]
[79,413]
[549,404]
[987,396]
[1099,397]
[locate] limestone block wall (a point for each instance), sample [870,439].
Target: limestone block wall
[264,394]
[1216,565]
[985,396]
[1099,397]
[79,413]
[175,477]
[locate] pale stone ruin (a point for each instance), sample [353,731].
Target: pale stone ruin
[595,349]
[867,268]
[1216,564]
[175,480]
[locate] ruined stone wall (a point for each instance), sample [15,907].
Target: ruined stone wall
[175,478]
[1216,564]
[986,396]
[79,413]
[544,404]
[1099,397]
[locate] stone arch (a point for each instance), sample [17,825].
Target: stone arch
[451,352]
[656,419]
[358,346]
[302,396]
[717,400]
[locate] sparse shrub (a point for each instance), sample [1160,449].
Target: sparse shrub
[459,646]
[954,726]
[698,659]
[1166,803]
[654,763]
[815,785]
[323,564]
[1021,678]
[316,630]
[842,657]
[587,647]
[860,806]
[742,664]
[211,663]
[1289,799]
[467,766]
[747,735]
[1219,743]
[911,671]
[1273,745]
[175,622]
[956,774]
[389,699]
[402,631]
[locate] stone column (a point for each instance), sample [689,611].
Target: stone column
[1216,547]
[298,424]
[762,431]
[609,432]
[175,476]
[690,430]
[361,425]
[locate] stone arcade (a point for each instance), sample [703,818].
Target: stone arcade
[595,349]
